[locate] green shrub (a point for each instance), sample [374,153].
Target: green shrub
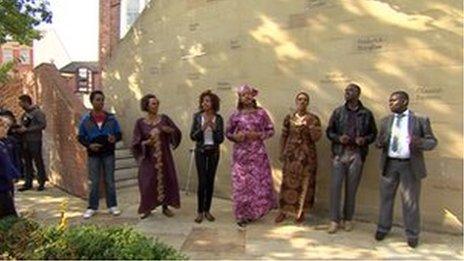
[16,236]
[25,239]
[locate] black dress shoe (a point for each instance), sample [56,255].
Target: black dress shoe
[242,223]
[412,242]
[24,188]
[41,188]
[379,236]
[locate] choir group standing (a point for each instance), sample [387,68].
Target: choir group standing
[403,137]
[351,129]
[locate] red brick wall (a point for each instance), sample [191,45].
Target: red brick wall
[65,157]
[110,13]
[21,83]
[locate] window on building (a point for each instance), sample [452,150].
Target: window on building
[25,56]
[84,80]
[7,55]
[132,12]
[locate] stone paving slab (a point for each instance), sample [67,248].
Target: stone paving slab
[224,240]
[202,239]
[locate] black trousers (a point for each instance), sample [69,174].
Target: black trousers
[7,207]
[32,152]
[206,162]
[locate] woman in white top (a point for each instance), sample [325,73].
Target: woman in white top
[208,133]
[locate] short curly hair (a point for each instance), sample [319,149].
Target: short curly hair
[215,101]
[146,100]
[302,93]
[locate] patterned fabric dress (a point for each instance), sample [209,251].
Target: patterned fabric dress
[252,188]
[157,175]
[300,163]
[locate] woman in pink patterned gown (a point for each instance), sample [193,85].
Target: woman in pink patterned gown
[252,188]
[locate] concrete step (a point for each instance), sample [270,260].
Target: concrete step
[123,154]
[126,170]
[120,145]
[126,183]
[125,174]
[125,163]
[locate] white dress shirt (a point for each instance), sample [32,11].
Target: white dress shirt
[400,131]
[208,132]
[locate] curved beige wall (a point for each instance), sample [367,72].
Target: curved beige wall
[178,48]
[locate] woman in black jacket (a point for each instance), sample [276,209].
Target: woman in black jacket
[208,133]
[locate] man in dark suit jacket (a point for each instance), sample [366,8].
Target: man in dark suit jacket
[403,137]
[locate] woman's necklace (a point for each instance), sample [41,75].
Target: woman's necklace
[152,120]
[300,120]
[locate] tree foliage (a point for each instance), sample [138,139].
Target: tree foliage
[18,22]
[19,19]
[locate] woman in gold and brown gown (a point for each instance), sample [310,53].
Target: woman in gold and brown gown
[301,130]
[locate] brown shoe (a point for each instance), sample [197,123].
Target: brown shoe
[209,217]
[348,225]
[300,219]
[199,218]
[167,212]
[333,227]
[145,215]
[281,217]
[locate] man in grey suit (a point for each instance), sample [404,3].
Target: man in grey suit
[403,137]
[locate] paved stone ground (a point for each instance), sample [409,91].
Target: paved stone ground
[223,240]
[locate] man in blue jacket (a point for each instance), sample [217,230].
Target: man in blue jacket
[98,132]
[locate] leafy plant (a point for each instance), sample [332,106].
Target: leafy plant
[25,239]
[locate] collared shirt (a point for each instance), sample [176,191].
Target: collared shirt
[400,132]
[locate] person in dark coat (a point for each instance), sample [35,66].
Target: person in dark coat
[14,140]
[32,124]
[351,129]
[8,173]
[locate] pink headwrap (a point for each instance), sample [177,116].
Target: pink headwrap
[247,88]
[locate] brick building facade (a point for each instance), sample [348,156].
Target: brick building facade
[21,54]
[109,24]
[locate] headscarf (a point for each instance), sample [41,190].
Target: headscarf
[247,88]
